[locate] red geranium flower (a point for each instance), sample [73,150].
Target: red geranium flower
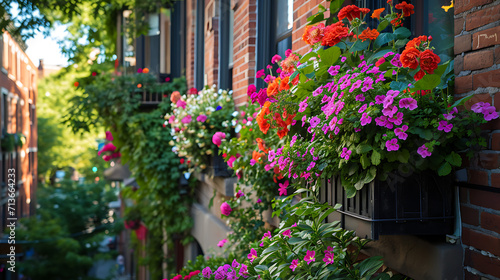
[409,58]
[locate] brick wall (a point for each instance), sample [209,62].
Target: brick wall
[245,34]
[302,9]
[477,57]
[190,41]
[211,42]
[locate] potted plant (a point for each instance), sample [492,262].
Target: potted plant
[364,106]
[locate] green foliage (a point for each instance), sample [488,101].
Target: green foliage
[113,102]
[65,247]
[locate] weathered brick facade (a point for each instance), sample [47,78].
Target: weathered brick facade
[477,54]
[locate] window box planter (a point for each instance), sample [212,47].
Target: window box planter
[420,204]
[218,167]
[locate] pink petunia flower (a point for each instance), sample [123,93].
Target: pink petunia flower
[275,58]
[303,105]
[310,256]
[181,103]
[187,119]
[260,73]
[400,132]
[230,161]
[217,138]
[282,187]
[109,136]
[287,233]
[445,126]
[253,255]
[329,258]
[408,103]
[201,118]
[365,119]
[221,243]
[294,264]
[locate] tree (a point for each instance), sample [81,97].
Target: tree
[65,234]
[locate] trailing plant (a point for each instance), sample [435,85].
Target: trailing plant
[141,139]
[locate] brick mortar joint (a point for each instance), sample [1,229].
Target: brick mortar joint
[480,28]
[479,273]
[477,8]
[478,71]
[480,209]
[482,230]
[482,252]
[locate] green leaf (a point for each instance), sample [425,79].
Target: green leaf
[382,25]
[376,157]
[322,166]
[316,18]
[461,101]
[295,240]
[403,155]
[402,33]
[325,214]
[401,43]
[329,56]
[270,249]
[261,267]
[350,191]
[383,39]
[365,162]
[360,45]
[370,266]
[307,57]
[429,81]
[359,185]
[363,148]
[454,159]
[445,169]
[335,6]
[399,86]
[379,54]
[370,175]
[423,133]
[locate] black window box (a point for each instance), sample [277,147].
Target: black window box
[420,204]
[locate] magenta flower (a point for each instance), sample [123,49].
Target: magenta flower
[239,194]
[206,272]
[478,107]
[243,269]
[271,155]
[360,97]
[310,256]
[450,116]
[294,139]
[282,187]
[251,89]
[408,103]
[356,85]
[221,243]
[365,119]
[107,148]
[217,138]
[201,118]
[275,58]
[171,120]
[235,264]
[267,234]
[294,264]
[400,132]
[230,161]
[334,70]
[423,151]
[317,91]
[287,233]
[253,255]
[259,200]
[325,98]
[315,121]
[329,258]
[109,136]
[379,99]
[397,119]
[367,84]
[362,108]
[303,105]
[396,61]
[187,119]
[252,162]
[225,209]
[389,110]
[181,103]
[392,145]
[445,126]
[346,154]
[489,113]
[260,73]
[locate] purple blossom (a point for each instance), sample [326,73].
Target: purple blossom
[303,105]
[252,162]
[356,85]
[367,84]
[379,99]
[365,119]
[408,103]
[315,121]
[346,154]
[187,119]
[380,78]
[397,118]
[325,128]
[201,118]
[445,126]
[326,98]
[318,91]
[310,130]
[334,70]
[392,145]
[450,116]
[304,118]
[362,108]
[294,139]
[423,151]
[400,132]
[489,113]
[478,107]
[206,272]
[271,155]
[343,58]
[260,73]
[390,110]
[268,79]
[310,256]
[311,166]
[282,191]
[336,130]
[333,123]
[360,97]
[388,54]
[294,265]
[329,258]
[396,62]
[253,255]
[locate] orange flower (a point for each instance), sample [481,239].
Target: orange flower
[389,2]
[273,87]
[397,21]
[429,61]
[415,42]
[256,155]
[368,34]
[282,132]
[295,80]
[145,70]
[313,33]
[262,145]
[409,58]
[350,12]
[364,11]
[288,64]
[263,122]
[376,13]
[334,33]
[284,84]
[407,8]
[175,97]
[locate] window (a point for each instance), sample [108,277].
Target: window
[226,29]
[199,48]
[274,31]
[429,19]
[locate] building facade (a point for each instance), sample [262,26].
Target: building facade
[18,151]
[224,42]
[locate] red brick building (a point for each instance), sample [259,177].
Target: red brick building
[224,42]
[18,84]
